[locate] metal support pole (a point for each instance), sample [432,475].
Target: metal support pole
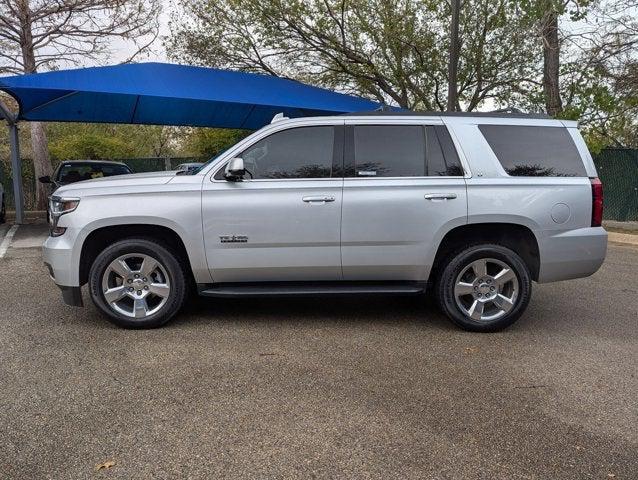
[16,168]
[16,161]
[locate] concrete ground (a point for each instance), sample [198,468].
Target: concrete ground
[331,388]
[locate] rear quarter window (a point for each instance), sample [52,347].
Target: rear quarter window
[529,151]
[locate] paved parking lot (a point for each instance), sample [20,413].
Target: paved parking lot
[351,388]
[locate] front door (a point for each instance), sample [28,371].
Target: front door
[404,187]
[284,223]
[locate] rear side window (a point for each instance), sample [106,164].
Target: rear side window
[528,151]
[402,151]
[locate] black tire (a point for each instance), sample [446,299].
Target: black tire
[459,263]
[3,212]
[165,258]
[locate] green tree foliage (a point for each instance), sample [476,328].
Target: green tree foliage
[394,51]
[208,142]
[103,142]
[573,58]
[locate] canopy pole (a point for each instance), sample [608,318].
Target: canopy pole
[16,161]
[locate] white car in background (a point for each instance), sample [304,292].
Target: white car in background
[189,167]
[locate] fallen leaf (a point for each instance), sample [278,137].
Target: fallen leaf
[470,350]
[104,466]
[611,475]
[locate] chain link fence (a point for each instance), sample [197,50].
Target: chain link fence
[28,184]
[617,168]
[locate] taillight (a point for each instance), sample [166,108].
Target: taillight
[596,202]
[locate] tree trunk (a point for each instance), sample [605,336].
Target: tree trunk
[39,144]
[453,60]
[551,63]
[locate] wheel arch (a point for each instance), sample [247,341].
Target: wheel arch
[103,236]
[515,236]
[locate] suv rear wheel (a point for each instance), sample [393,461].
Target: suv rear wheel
[484,288]
[3,211]
[137,283]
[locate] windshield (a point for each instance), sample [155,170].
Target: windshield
[76,172]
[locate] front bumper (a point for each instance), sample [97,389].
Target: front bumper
[62,262]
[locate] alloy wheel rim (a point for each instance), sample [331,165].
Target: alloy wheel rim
[486,289]
[135,285]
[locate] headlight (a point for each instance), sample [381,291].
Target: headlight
[59,206]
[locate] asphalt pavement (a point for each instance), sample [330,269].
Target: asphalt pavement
[371,387]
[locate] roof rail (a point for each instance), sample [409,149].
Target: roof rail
[508,110]
[508,113]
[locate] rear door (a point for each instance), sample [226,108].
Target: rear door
[404,188]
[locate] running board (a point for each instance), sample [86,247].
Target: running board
[309,290]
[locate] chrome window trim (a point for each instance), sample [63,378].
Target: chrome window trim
[259,180]
[432,177]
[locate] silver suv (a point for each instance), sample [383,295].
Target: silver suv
[472,207]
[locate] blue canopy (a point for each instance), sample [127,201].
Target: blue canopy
[166,94]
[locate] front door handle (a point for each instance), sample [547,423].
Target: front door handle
[318,199]
[440,196]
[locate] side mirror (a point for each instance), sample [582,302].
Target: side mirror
[235,169]
[45,179]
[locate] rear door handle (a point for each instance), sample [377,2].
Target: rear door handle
[318,199]
[440,196]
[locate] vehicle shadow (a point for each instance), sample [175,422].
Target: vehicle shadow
[418,309]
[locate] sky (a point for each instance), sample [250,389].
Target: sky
[122,50]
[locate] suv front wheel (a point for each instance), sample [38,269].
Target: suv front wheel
[137,283]
[484,288]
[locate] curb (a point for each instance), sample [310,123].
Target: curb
[623,238]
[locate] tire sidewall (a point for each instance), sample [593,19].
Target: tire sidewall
[461,260]
[159,253]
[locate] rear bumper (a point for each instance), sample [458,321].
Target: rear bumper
[572,254]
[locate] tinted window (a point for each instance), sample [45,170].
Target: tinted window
[389,151]
[296,153]
[403,151]
[76,172]
[442,158]
[534,151]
